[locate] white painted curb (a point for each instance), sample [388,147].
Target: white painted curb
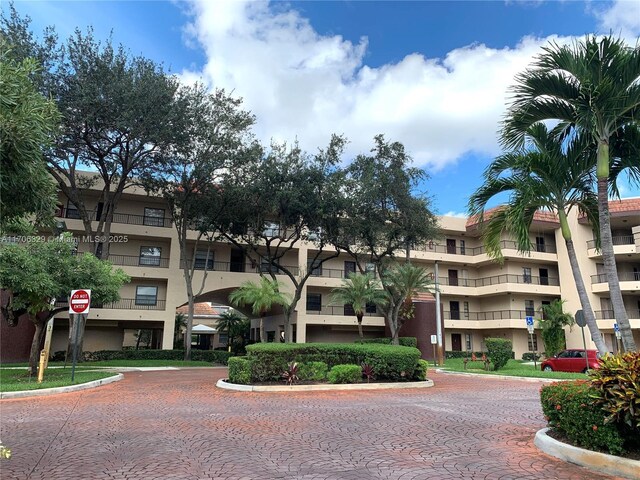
[67,389]
[507,377]
[599,462]
[315,388]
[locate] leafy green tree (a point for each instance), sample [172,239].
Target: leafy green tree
[234,325]
[592,88]
[262,297]
[553,321]
[358,291]
[38,273]
[27,125]
[279,200]
[178,338]
[401,282]
[547,174]
[217,140]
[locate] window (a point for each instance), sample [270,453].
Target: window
[204,260]
[224,338]
[72,211]
[529,309]
[146,295]
[454,310]
[316,270]
[533,343]
[468,343]
[267,267]
[370,268]
[526,275]
[349,267]
[348,310]
[463,248]
[465,307]
[150,256]
[540,244]
[154,217]
[314,302]
[371,308]
[544,303]
[271,229]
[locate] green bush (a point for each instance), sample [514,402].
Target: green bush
[404,341]
[571,409]
[314,371]
[530,356]
[499,351]
[420,373]
[345,374]
[239,370]
[269,360]
[106,355]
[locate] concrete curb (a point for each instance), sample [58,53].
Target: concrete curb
[507,377]
[316,388]
[70,388]
[599,462]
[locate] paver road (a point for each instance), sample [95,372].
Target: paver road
[178,425]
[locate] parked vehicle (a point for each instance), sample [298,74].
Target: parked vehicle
[571,361]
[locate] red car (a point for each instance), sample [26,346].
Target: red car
[571,361]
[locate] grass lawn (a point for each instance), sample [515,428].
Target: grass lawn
[125,363]
[14,380]
[513,368]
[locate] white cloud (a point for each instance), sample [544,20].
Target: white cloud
[304,85]
[451,213]
[622,18]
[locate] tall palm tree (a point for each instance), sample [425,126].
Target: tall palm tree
[261,296]
[590,87]
[229,322]
[548,174]
[359,290]
[401,283]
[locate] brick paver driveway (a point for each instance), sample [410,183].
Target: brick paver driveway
[177,424]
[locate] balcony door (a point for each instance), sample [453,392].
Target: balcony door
[454,310]
[237,260]
[451,246]
[544,276]
[453,278]
[456,342]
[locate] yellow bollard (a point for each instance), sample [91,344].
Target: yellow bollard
[43,359]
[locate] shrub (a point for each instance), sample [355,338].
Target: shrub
[499,351]
[617,385]
[420,373]
[530,356]
[404,341]
[269,360]
[570,408]
[314,371]
[239,370]
[290,375]
[345,374]
[368,372]
[106,355]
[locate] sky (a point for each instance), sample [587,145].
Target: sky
[432,75]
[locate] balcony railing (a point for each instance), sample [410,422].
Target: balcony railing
[619,240]
[136,261]
[124,304]
[499,279]
[335,273]
[622,276]
[125,218]
[609,315]
[491,315]
[338,310]
[471,251]
[238,267]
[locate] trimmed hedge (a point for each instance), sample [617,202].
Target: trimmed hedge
[499,350]
[314,371]
[239,370]
[420,373]
[571,409]
[345,374]
[404,341]
[269,360]
[215,356]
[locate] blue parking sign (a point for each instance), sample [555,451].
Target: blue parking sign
[529,321]
[616,327]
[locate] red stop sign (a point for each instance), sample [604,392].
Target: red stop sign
[79,301]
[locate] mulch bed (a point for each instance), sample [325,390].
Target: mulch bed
[633,454]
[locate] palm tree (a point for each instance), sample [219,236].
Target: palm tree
[553,321]
[229,322]
[401,283]
[546,174]
[591,88]
[262,297]
[359,290]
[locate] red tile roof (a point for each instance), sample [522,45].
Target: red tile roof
[200,309]
[620,208]
[539,217]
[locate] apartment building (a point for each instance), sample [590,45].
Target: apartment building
[480,298]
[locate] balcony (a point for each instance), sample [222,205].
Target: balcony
[237,267]
[339,310]
[125,218]
[608,314]
[622,276]
[499,279]
[473,251]
[136,261]
[123,304]
[491,315]
[619,240]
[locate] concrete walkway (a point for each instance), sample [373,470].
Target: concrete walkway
[177,424]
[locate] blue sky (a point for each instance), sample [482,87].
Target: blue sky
[433,75]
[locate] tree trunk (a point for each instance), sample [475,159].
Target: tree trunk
[138,339]
[187,333]
[263,337]
[359,318]
[73,324]
[34,354]
[609,258]
[584,299]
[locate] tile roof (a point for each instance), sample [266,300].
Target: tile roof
[620,208]
[200,309]
[540,216]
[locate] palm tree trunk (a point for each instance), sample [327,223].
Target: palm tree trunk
[359,318]
[584,299]
[263,336]
[608,256]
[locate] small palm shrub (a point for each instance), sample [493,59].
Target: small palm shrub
[368,372]
[290,375]
[345,374]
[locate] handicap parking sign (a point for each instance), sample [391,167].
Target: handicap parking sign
[616,327]
[529,321]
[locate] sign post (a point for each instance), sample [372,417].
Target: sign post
[79,302]
[530,327]
[581,322]
[434,342]
[616,329]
